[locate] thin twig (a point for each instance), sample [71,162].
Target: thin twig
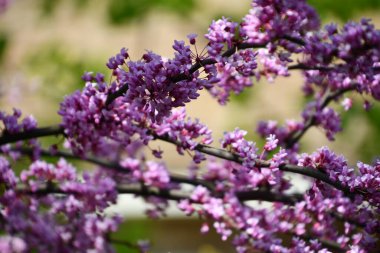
[296,136]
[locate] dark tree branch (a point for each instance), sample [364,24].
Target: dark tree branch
[120,92]
[130,189]
[302,66]
[35,133]
[294,40]
[136,189]
[264,195]
[306,171]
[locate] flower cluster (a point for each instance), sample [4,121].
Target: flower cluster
[66,222]
[91,126]
[231,74]
[7,176]
[366,181]
[183,130]
[219,33]
[53,208]
[235,142]
[249,174]
[269,20]
[272,65]
[12,125]
[356,46]
[326,117]
[151,88]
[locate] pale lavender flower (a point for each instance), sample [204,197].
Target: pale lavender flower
[347,103]
[12,244]
[271,143]
[156,174]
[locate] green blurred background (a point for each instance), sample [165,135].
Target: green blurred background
[46,45]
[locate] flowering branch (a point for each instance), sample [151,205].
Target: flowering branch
[31,134]
[220,153]
[258,195]
[50,207]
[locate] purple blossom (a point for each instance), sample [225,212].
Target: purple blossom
[214,207]
[134,166]
[354,45]
[327,118]
[338,170]
[97,191]
[92,127]
[12,124]
[271,143]
[222,229]
[156,175]
[192,38]
[118,60]
[114,121]
[232,74]
[347,104]
[282,133]
[150,86]
[245,149]
[268,20]
[272,65]
[186,207]
[10,244]
[248,176]
[7,176]
[184,131]
[330,121]
[200,195]
[220,32]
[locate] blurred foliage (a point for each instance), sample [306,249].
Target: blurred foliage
[3,45]
[343,9]
[368,149]
[243,98]
[48,7]
[132,231]
[59,71]
[123,11]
